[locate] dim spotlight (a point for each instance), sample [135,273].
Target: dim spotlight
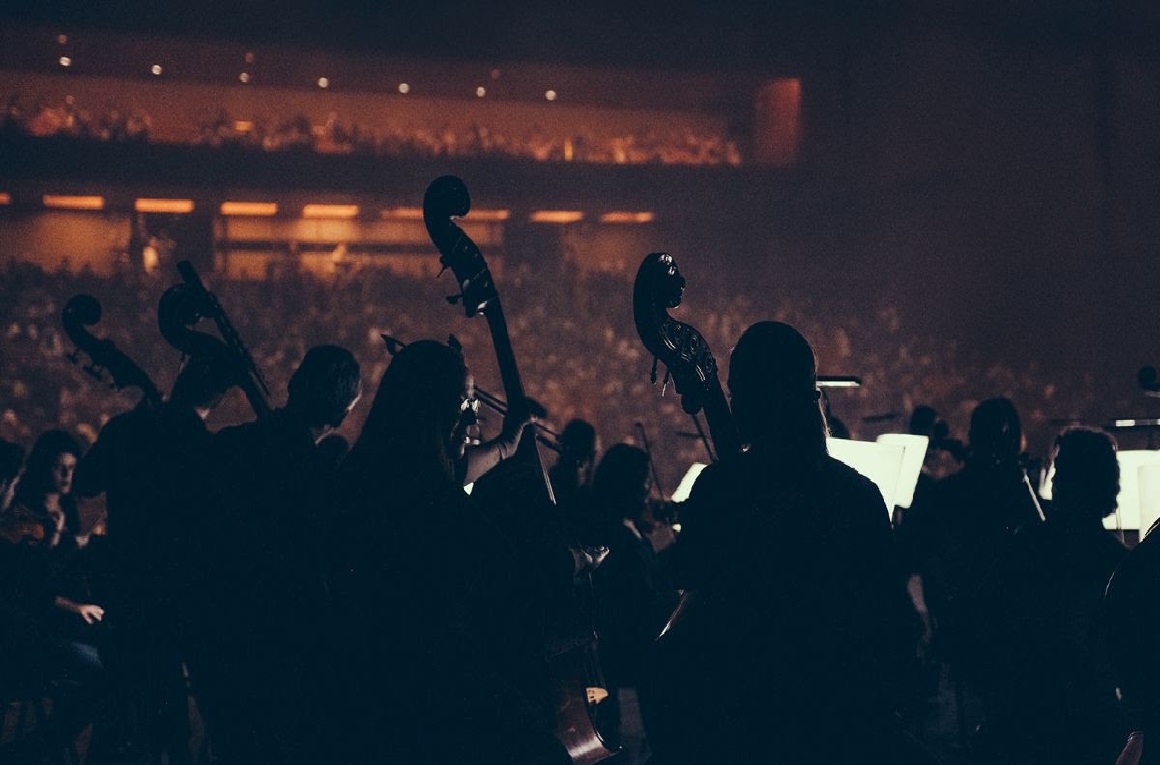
[62,39]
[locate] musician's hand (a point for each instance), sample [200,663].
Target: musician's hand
[587,559]
[1133,750]
[513,429]
[661,536]
[90,612]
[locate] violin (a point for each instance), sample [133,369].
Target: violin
[105,358]
[522,476]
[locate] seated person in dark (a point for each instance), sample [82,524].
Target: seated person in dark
[44,492]
[797,619]
[48,639]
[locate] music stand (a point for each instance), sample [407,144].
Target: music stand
[681,493]
[914,455]
[880,462]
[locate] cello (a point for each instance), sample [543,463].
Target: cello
[522,478]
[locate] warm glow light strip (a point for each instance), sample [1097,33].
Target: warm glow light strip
[403,213]
[475,216]
[249,208]
[627,217]
[5,199]
[73,203]
[488,216]
[330,211]
[163,205]
[557,216]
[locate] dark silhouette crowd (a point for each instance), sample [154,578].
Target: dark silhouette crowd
[419,593]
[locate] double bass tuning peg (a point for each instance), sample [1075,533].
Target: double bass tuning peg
[652,377]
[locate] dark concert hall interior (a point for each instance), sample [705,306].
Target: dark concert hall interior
[911,267]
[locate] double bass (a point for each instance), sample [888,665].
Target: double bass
[520,480]
[184,305]
[689,362]
[83,311]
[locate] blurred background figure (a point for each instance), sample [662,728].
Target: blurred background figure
[573,469]
[44,492]
[634,597]
[11,463]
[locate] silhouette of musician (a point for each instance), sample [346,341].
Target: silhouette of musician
[573,469]
[633,595]
[791,647]
[148,462]
[1045,680]
[264,603]
[435,602]
[972,516]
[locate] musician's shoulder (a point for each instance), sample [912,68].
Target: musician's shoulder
[858,493]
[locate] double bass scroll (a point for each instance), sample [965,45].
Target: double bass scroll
[183,306]
[447,198]
[685,353]
[83,311]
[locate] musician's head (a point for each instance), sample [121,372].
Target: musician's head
[324,388]
[201,383]
[578,443]
[1087,474]
[423,410]
[923,421]
[51,465]
[773,390]
[996,436]
[623,476]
